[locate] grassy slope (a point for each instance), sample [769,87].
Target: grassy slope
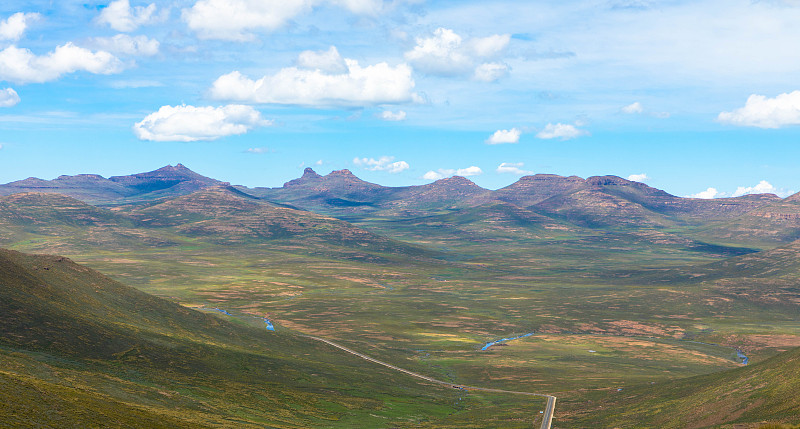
[767,391]
[70,335]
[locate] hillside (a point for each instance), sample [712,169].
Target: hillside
[72,341]
[750,396]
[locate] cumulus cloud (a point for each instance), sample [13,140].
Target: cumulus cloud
[189,123]
[22,66]
[237,19]
[447,172]
[388,115]
[633,108]
[561,131]
[127,45]
[257,150]
[469,171]
[513,168]
[763,187]
[8,97]
[638,177]
[15,25]
[448,54]
[760,111]
[120,16]
[707,194]
[328,61]
[358,86]
[504,136]
[384,163]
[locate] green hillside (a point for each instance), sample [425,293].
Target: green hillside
[748,397]
[78,349]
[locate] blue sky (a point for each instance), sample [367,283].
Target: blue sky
[693,97]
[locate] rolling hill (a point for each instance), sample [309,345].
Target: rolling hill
[78,349]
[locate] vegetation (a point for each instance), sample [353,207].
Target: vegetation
[624,287]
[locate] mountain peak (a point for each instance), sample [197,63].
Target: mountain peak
[309,173]
[343,173]
[455,181]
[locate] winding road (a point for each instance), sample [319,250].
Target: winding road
[551,400]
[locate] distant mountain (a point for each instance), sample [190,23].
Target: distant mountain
[777,221]
[530,190]
[600,202]
[341,193]
[165,182]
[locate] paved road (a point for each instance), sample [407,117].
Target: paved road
[551,400]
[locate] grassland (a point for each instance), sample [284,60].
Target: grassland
[611,309]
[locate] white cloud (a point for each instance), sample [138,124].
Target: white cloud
[189,123]
[328,61]
[360,86]
[638,177]
[760,111]
[384,163]
[469,171]
[127,45]
[490,72]
[561,131]
[513,168]
[447,172]
[763,187]
[22,66]
[120,16]
[1,147]
[14,27]
[8,97]
[633,108]
[504,136]
[707,194]
[388,115]
[448,54]
[257,150]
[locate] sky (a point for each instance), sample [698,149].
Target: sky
[699,98]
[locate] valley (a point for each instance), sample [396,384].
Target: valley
[631,296]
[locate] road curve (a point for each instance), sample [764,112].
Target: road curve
[547,417]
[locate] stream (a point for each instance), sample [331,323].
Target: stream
[503,340]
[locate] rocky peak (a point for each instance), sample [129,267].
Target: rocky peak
[455,181]
[309,175]
[341,173]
